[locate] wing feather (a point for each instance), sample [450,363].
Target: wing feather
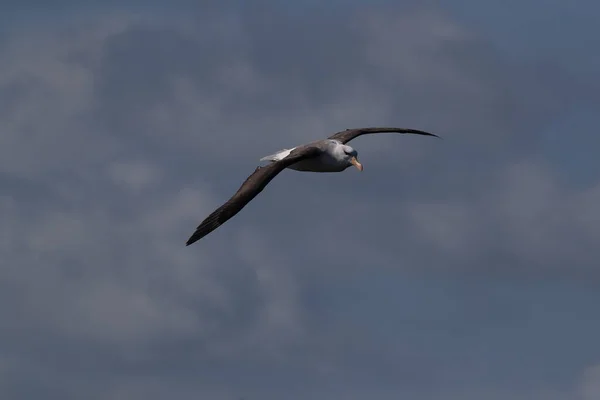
[349,134]
[251,187]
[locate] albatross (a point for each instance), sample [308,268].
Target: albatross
[326,155]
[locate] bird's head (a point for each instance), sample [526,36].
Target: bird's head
[351,156]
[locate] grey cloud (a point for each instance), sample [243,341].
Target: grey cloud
[118,140]
[590,383]
[354,73]
[528,221]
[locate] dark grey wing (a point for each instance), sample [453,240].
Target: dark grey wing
[349,134]
[252,186]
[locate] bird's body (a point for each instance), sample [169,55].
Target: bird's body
[327,155]
[331,159]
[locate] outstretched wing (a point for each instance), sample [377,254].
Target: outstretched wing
[252,186]
[349,134]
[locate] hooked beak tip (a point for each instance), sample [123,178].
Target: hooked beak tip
[355,162]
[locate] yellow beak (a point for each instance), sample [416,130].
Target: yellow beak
[355,162]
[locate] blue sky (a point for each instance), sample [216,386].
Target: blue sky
[464,268]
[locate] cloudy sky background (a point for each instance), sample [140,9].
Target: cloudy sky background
[464,268]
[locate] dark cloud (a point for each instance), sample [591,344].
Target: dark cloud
[121,134]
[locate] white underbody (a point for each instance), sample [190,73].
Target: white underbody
[326,162]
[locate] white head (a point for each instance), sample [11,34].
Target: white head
[351,156]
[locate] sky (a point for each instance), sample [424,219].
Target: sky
[462,268]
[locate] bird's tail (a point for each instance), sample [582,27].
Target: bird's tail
[280,155]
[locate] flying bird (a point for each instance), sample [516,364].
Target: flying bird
[326,155]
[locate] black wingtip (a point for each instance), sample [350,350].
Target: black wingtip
[419,132]
[427,134]
[191,240]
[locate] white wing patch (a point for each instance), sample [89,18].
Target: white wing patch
[280,155]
